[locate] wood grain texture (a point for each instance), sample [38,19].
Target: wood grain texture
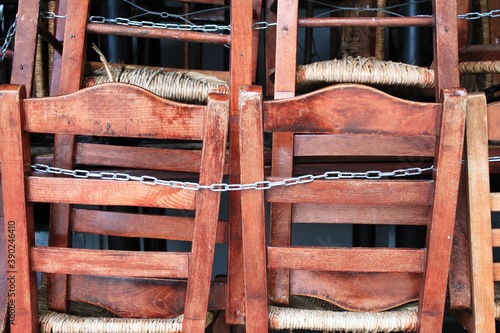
[346,260]
[110,262]
[146,226]
[355,291]
[108,192]
[307,113]
[204,230]
[355,192]
[430,200]
[253,217]
[101,113]
[17,212]
[480,236]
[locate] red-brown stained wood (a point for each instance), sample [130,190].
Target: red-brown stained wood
[251,144]
[110,262]
[145,298]
[419,273]
[354,192]
[61,260]
[3,276]
[145,226]
[358,291]
[361,214]
[241,58]
[440,234]
[156,158]
[23,64]
[459,280]
[148,32]
[108,192]
[106,115]
[346,260]
[483,272]
[349,115]
[370,145]
[16,210]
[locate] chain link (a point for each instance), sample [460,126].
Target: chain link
[222,187]
[8,39]
[149,24]
[477,15]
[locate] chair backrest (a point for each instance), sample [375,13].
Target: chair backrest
[482,136]
[242,61]
[443,22]
[342,125]
[116,110]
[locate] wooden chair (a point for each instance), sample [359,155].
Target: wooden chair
[481,200]
[443,21]
[144,284]
[348,124]
[68,73]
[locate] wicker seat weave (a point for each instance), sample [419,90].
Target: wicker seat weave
[181,86]
[365,71]
[378,72]
[401,319]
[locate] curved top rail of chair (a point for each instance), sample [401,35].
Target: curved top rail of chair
[111,114]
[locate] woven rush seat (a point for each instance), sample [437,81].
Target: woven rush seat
[369,70]
[315,314]
[181,86]
[403,319]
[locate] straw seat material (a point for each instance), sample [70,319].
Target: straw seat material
[365,71]
[403,319]
[369,70]
[180,86]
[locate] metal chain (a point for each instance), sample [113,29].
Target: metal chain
[222,187]
[8,39]
[262,25]
[149,24]
[477,15]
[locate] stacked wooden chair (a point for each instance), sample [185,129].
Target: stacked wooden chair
[443,22]
[481,199]
[144,284]
[355,124]
[72,29]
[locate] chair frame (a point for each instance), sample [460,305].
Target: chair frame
[19,187]
[306,118]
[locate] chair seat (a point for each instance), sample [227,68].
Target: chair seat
[53,322]
[397,320]
[180,86]
[89,318]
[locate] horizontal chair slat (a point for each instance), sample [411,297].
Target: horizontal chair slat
[110,262]
[138,157]
[140,225]
[495,237]
[495,202]
[365,192]
[370,145]
[350,260]
[390,215]
[108,192]
[496,271]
